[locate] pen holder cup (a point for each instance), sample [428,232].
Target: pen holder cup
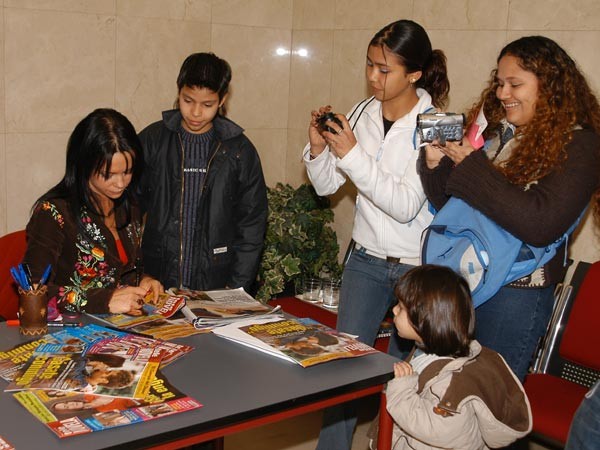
[33,312]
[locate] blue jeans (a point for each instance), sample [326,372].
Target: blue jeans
[366,295]
[585,432]
[512,322]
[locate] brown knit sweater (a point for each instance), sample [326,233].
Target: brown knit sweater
[538,215]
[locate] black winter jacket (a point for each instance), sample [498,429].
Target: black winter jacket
[232,216]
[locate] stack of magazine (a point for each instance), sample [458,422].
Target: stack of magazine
[210,309]
[160,319]
[87,379]
[183,312]
[301,341]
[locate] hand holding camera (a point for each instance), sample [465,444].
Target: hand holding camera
[332,130]
[324,118]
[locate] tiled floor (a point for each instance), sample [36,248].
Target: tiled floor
[301,433]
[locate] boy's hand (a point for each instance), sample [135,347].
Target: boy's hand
[402,369]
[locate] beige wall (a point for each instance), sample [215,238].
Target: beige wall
[62,58]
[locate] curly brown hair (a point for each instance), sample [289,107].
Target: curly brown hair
[564,102]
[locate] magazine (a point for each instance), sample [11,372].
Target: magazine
[219,307]
[167,329]
[100,370]
[132,343]
[302,341]
[73,413]
[13,360]
[166,306]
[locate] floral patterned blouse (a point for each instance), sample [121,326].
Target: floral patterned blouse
[83,254]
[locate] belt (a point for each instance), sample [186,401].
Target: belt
[390,259]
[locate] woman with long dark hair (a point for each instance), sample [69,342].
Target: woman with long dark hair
[87,227]
[376,148]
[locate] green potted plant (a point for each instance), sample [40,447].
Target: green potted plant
[299,241]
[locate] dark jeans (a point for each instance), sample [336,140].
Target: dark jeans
[512,322]
[585,428]
[366,294]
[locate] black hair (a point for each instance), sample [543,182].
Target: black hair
[440,309]
[90,150]
[205,70]
[409,42]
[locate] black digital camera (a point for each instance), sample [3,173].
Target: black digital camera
[441,127]
[322,122]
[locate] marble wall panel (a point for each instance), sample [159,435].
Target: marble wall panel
[196,10]
[468,70]
[565,15]
[58,67]
[149,55]
[258,13]
[360,14]
[2,71]
[260,81]
[348,84]
[311,75]
[85,6]
[313,15]
[462,15]
[271,145]
[294,168]
[4,213]
[34,163]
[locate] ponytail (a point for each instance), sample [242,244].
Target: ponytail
[434,79]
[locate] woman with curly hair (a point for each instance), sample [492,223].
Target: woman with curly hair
[534,176]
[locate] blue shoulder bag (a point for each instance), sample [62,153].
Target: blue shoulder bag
[484,253]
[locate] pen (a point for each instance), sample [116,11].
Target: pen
[45,275]
[27,272]
[65,324]
[24,278]
[17,277]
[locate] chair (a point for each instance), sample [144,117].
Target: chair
[569,361]
[12,249]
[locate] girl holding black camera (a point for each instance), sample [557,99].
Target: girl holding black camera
[376,149]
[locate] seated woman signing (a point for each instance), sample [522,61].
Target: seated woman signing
[88,226]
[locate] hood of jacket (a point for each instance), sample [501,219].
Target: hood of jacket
[501,406]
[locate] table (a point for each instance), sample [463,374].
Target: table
[239,387]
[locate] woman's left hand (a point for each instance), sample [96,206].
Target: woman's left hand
[456,152]
[150,284]
[343,140]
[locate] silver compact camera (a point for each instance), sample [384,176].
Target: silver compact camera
[441,127]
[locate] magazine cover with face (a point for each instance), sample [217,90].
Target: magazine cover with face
[74,413]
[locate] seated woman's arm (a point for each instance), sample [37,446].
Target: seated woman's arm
[80,278]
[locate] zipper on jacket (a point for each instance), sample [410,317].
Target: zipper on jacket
[180,275]
[181,201]
[208,167]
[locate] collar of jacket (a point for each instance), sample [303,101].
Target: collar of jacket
[374,111]
[224,128]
